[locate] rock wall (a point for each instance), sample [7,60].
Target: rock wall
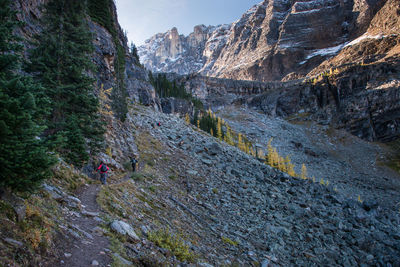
[218,92]
[363,99]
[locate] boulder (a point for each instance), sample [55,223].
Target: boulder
[17,203]
[13,242]
[124,229]
[122,260]
[214,149]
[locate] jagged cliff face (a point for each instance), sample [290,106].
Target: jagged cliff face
[273,39]
[171,52]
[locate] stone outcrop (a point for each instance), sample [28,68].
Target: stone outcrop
[172,105]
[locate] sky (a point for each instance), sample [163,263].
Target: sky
[143,19]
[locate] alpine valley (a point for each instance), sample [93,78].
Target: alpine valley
[270,141]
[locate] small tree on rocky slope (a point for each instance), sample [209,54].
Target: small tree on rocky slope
[24,161]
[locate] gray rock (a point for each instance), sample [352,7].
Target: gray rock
[370,204]
[73,199]
[17,203]
[13,242]
[124,229]
[67,255]
[370,257]
[214,149]
[122,260]
[54,192]
[204,264]
[145,229]
[84,233]
[192,172]
[95,263]
[99,231]
[98,219]
[73,233]
[207,162]
[265,263]
[90,213]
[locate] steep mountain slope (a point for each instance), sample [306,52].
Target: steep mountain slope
[232,209]
[276,38]
[357,90]
[198,201]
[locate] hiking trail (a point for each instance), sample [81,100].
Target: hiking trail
[88,245]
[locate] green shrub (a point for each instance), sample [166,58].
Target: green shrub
[174,243]
[152,188]
[229,241]
[137,176]
[172,177]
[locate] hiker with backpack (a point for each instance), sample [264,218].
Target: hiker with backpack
[134,161]
[103,168]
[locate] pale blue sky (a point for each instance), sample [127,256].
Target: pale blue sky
[142,19]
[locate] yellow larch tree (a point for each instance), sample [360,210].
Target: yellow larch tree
[289,167]
[240,144]
[219,129]
[270,151]
[228,136]
[260,153]
[303,174]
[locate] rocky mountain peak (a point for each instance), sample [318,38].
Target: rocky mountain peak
[171,52]
[272,39]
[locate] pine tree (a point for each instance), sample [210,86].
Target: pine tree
[61,62]
[24,161]
[134,52]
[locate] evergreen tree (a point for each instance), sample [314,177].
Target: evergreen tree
[119,94]
[24,161]
[134,52]
[61,62]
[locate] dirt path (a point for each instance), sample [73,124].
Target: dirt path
[89,246]
[92,246]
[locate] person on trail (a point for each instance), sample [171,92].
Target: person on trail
[134,161]
[103,168]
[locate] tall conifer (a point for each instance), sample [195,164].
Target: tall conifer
[61,62]
[24,161]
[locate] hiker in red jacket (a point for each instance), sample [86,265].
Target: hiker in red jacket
[103,168]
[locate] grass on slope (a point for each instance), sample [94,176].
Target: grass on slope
[37,233]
